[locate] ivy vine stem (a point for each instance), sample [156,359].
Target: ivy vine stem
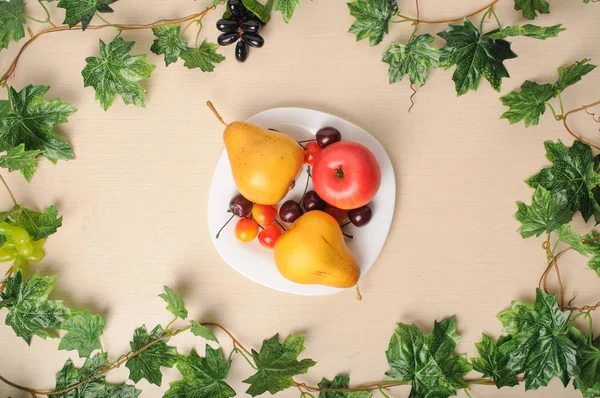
[442,21]
[571,132]
[76,28]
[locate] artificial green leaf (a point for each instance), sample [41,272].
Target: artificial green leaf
[204,57]
[530,8]
[117,72]
[84,331]
[539,345]
[169,42]
[17,158]
[31,121]
[569,236]
[569,75]
[83,10]
[217,2]
[475,56]
[174,303]
[287,7]
[412,59]
[593,247]
[372,18]
[95,387]
[276,365]
[202,377]
[12,19]
[587,378]
[493,364]
[528,104]
[547,213]
[262,12]
[202,331]
[29,310]
[428,360]
[573,172]
[340,382]
[147,364]
[533,31]
[38,225]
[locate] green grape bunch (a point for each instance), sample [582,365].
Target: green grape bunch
[20,248]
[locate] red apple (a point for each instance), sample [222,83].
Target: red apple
[346,175]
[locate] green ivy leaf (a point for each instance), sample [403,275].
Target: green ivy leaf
[340,382]
[169,42]
[202,377]
[83,10]
[533,31]
[17,158]
[202,331]
[203,57]
[287,8]
[372,18]
[38,225]
[569,236]
[29,310]
[277,363]
[96,387]
[475,56]
[573,172]
[117,72]
[147,364]
[593,248]
[12,19]
[31,121]
[84,331]
[587,378]
[530,8]
[528,104]
[493,364]
[428,360]
[412,59]
[262,12]
[569,75]
[547,213]
[175,304]
[539,345]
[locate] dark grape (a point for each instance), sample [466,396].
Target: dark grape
[312,201]
[327,136]
[236,8]
[361,216]
[290,211]
[226,39]
[250,26]
[253,39]
[240,206]
[227,25]
[241,51]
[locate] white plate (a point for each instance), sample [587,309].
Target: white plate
[256,262]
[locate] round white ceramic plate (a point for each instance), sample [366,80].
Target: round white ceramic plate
[256,262]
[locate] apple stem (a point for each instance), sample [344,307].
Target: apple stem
[214,110]
[339,173]
[224,225]
[358,295]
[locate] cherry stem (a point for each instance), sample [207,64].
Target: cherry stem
[348,235]
[345,224]
[224,225]
[214,110]
[306,186]
[278,223]
[303,141]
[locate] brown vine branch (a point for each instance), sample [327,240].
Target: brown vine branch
[62,28]
[440,21]
[8,190]
[578,138]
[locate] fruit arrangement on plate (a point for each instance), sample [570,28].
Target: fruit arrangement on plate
[305,234]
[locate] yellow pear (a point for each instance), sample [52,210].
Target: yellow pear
[313,251]
[264,163]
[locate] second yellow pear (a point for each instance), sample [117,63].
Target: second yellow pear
[264,163]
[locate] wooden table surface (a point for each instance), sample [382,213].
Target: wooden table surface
[135,200]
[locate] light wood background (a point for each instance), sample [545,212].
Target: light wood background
[134,202]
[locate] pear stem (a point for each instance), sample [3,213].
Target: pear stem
[358,295]
[214,110]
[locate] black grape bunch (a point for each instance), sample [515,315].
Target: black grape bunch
[241,27]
